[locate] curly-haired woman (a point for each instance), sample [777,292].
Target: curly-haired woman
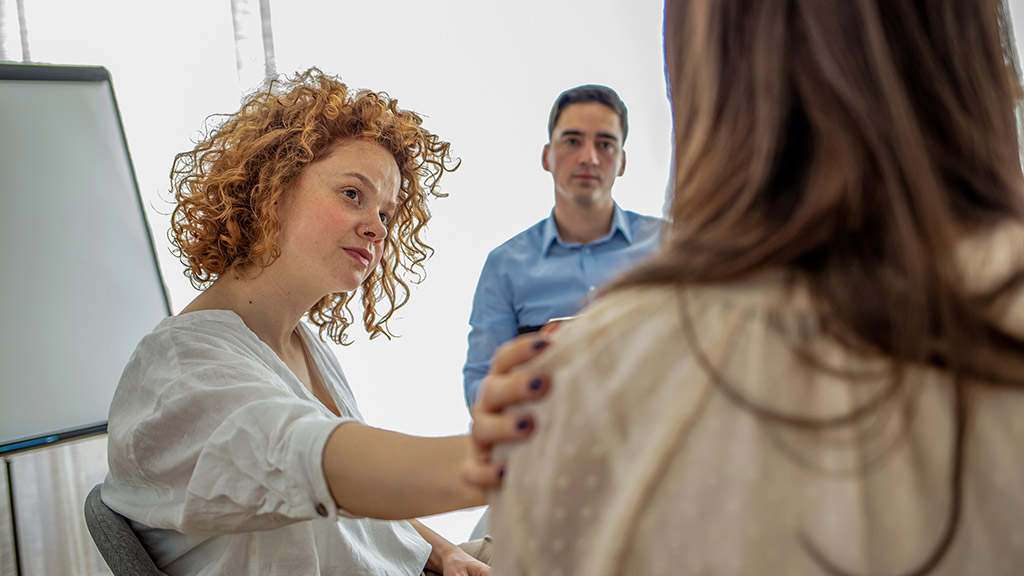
[235,443]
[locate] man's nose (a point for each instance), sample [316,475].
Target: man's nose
[588,154]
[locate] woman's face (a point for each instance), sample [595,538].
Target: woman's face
[333,218]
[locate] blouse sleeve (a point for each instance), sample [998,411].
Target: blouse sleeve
[204,438]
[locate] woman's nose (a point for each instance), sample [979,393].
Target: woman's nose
[375,230]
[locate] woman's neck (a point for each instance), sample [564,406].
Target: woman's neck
[266,307]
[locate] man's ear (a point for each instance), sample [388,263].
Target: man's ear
[622,167]
[544,158]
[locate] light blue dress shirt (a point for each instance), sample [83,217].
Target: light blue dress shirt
[535,276]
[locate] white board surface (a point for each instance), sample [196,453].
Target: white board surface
[79,284]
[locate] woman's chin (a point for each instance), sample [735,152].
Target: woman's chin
[351,285]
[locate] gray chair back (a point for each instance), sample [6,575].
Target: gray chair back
[115,539]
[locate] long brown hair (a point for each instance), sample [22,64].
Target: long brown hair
[852,142]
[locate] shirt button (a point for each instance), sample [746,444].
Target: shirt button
[321,510]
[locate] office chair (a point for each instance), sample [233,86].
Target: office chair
[116,540]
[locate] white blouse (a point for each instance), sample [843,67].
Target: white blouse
[641,464]
[215,453]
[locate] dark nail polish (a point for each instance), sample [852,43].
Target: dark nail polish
[501,472]
[540,345]
[524,424]
[536,384]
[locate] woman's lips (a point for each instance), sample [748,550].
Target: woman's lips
[361,255]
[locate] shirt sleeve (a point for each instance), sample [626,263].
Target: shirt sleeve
[492,322]
[205,438]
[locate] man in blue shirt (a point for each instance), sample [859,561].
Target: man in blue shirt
[553,268]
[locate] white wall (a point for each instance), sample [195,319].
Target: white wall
[485,78]
[483,74]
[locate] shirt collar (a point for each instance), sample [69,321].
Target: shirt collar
[619,224]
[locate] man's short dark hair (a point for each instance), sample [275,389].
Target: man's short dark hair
[589,93]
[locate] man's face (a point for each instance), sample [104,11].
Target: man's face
[585,154]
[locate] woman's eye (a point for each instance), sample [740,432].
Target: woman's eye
[351,193]
[383,218]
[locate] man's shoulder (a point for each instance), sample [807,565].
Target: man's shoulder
[531,237]
[636,218]
[643,226]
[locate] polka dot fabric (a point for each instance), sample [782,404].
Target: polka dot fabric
[640,463]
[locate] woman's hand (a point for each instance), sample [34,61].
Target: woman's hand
[504,387]
[447,558]
[461,564]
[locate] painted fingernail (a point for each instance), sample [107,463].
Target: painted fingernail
[524,423]
[540,345]
[536,384]
[501,472]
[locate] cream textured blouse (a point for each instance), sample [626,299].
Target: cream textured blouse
[640,464]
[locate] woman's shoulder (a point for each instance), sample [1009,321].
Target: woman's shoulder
[988,256]
[652,313]
[203,321]
[990,260]
[199,330]
[639,337]
[189,346]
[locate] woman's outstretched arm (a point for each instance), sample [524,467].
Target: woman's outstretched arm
[389,475]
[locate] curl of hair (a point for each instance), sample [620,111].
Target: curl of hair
[227,186]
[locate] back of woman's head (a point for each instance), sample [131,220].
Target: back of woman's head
[228,185]
[853,140]
[853,143]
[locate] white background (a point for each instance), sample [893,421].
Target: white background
[484,76]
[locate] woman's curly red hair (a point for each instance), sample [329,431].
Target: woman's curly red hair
[227,186]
